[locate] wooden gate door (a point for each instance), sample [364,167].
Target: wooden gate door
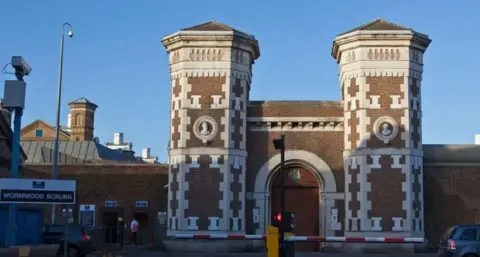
[301,198]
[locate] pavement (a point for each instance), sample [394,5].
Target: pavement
[159,254]
[132,251]
[143,252]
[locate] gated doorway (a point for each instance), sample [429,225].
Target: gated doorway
[302,198]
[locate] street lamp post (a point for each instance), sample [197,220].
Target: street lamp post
[59,100]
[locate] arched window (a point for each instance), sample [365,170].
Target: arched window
[76,120]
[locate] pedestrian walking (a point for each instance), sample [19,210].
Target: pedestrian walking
[121,231]
[134,230]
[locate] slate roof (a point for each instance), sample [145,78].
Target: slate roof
[74,152]
[6,136]
[216,26]
[83,100]
[378,24]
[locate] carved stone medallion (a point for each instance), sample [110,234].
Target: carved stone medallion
[385,128]
[205,128]
[295,175]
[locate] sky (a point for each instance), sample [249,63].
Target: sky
[116,59]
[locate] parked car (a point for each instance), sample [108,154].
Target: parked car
[79,243]
[460,241]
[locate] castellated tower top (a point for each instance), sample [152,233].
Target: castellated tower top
[379,33]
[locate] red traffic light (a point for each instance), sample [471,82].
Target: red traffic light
[278,217]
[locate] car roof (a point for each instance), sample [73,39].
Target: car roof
[467,225]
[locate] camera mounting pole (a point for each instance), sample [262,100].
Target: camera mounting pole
[14,101]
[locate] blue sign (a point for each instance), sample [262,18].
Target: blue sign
[111,204]
[39,191]
[38,184]
[141,204]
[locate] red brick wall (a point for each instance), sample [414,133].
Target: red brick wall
[327,145]
[451,196]
[99,183]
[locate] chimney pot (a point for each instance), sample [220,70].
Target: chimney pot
[118,138]
[146,153]
[477,139]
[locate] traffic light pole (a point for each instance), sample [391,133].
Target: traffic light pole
[280,145]
[282,251]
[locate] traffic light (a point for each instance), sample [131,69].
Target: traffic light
[288,222]
[277,220]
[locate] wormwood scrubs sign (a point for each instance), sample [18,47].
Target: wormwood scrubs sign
[37,191]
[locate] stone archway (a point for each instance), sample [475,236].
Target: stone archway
[322,172]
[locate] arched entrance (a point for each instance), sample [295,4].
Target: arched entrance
[321,171]
[302,191]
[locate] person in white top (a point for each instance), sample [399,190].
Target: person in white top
[134,230]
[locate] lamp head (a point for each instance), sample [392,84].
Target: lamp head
[70,33]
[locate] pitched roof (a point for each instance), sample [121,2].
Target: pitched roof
[73,152]
[378,24]
[82,100]
[215,26]
[42,123]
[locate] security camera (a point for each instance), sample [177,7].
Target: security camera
[70,33]
[21,66]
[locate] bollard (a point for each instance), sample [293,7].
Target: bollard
[272,241]
[23,251]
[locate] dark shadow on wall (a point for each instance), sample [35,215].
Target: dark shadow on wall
[450,188]
[257,145]
[451,197]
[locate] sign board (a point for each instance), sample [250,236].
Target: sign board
[38,191]
[335,225]
[141,204]
[111,204]
[256,215]
[87,216]
[162,218]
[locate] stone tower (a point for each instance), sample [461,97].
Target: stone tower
[211,71]
[381,67]
[81,119]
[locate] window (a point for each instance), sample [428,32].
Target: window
[39,133]
[469,234]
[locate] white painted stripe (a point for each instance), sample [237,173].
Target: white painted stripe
[183,235]
[415,240]
[336,238]
[375,239]
[296,238]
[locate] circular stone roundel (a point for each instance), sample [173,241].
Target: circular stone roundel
[385,128]
[205,128]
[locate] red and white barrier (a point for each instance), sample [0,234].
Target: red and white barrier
[355,239]
[306,238]
[216,236]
